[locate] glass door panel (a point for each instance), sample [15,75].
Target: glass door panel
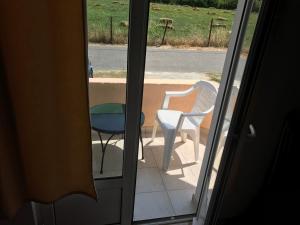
[107,23]
[186,45]
[234,92]
[236,78]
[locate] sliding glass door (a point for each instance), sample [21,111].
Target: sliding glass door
[141,173]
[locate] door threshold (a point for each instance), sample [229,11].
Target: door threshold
[167,220]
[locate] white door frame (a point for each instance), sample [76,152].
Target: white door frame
[137,43]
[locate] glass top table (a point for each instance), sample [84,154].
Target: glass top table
[109,118]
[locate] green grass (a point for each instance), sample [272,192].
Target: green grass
[191,25]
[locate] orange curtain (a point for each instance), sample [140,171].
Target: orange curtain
[45,143]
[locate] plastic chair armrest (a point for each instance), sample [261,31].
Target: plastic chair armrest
[169,94]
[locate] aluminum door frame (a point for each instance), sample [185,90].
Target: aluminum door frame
[230,66]
[137,42]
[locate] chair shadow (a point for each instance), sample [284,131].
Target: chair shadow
[175,156]
[115,151]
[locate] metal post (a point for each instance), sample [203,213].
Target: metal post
[165,31]
[111,30]
[209,35]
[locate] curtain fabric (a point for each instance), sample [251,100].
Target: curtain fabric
[45,142]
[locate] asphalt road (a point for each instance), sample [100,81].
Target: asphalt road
[105,57]
[158,60]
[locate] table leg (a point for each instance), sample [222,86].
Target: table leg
[141,138]
[103,149]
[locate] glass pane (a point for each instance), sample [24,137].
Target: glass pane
[187,43]
[233,95]
[107,52]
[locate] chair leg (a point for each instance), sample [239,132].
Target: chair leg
[183,136]
[222,141]
[155,125]
[168,148]
[141,139]
[196,136]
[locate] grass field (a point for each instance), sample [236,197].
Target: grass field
[190,24]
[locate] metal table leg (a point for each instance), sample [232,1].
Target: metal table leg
[103,149]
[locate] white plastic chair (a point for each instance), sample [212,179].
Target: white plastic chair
[172,121]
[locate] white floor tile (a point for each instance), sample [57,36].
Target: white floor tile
[187,153]
[178,179]
[182,156]
[113,159]
[158,151]
[148,161]
[149,180]
[196,169]
[182,201]
[152,205]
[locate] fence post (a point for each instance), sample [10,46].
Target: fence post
[111,30]
[209,35]
[165,31]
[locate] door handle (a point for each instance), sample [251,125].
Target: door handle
[251,132]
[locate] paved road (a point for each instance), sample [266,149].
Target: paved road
[158,60]
[171,61]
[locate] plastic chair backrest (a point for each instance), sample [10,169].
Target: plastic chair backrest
[205,99]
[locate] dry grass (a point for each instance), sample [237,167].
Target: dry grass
[214,77]
[110,74]
[101,36]
[220,38]
[186,41]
